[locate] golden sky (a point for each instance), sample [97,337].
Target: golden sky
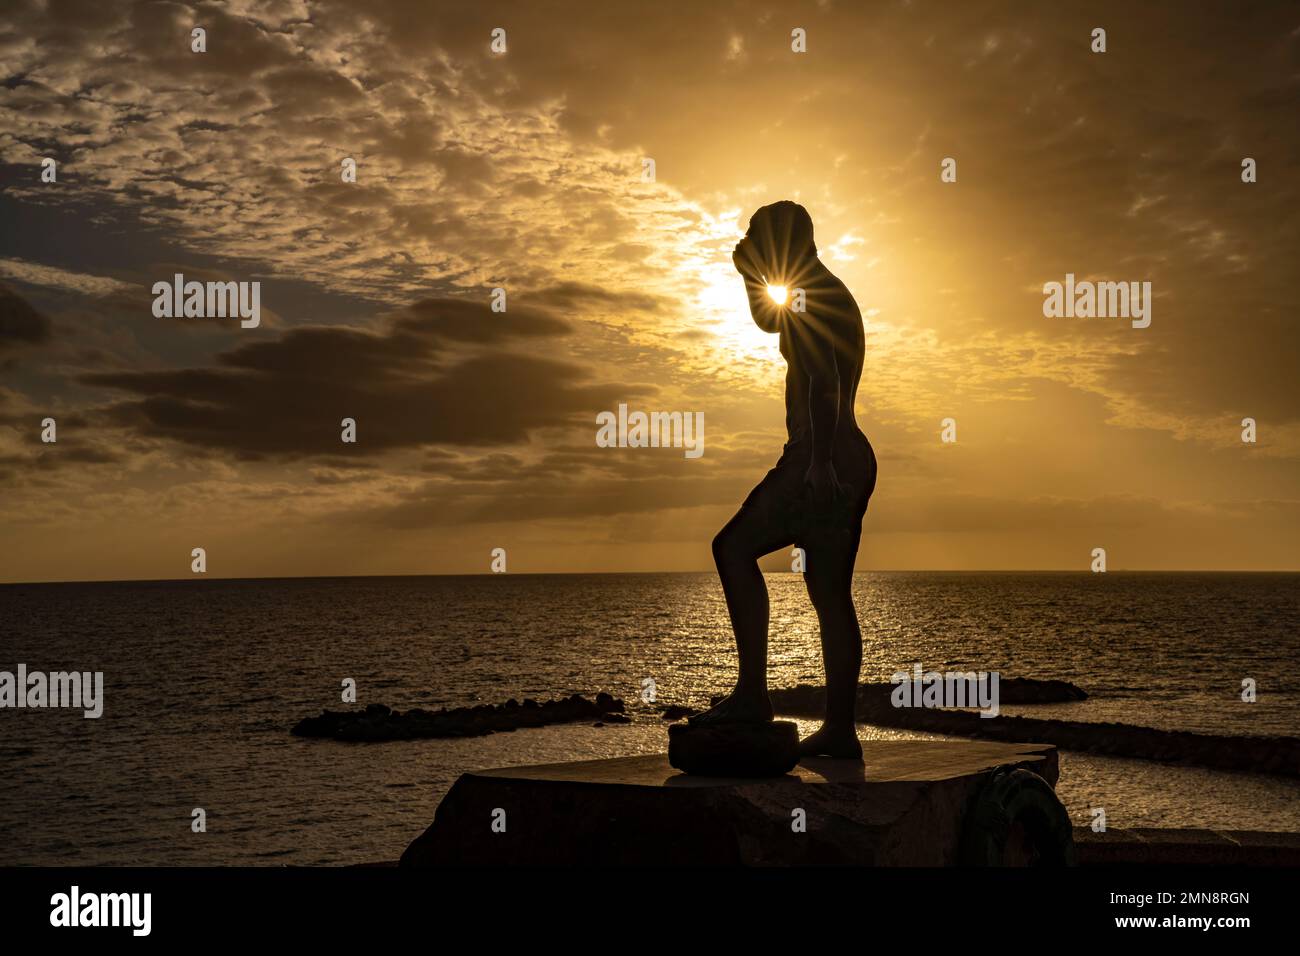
[523,170]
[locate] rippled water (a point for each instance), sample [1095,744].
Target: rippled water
[204,679]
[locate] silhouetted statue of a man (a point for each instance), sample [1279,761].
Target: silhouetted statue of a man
[817,494]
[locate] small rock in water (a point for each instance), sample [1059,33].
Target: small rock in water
[768,749]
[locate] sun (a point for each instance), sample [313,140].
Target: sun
[778,294]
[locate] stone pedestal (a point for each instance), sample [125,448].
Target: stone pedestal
[903,806]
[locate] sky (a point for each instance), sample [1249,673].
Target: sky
[523,170]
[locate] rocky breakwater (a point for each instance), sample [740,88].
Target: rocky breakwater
[1272,755]
[380,723]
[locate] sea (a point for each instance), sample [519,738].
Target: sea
[203,680]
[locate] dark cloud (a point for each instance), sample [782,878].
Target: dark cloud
[442,371]
[679,484]
[20,324]
[584,296]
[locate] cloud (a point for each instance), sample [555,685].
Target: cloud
[440,372]
[36,273]
[583,296]
[523,171]
[20,324]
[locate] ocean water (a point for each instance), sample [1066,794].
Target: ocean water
[204,679]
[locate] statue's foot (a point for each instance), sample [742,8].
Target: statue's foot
[840,742]
[737,708]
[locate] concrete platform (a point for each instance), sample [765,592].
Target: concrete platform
[1148,846]
[903,806]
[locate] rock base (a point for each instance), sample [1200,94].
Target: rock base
[768,749]
[904,805]
[1184,847]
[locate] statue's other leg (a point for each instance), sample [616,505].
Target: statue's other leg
[829,578]
[755,530]
[831,546]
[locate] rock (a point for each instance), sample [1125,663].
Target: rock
[1026,690]
[678,711]
[379,723]
[874,698]
[768,749]
[1273,755]
[904,805]
[1180,847]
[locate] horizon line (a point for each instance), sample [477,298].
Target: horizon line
[198,578]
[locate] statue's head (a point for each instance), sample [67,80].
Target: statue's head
[782,236]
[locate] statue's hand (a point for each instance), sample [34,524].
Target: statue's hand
[823,484]
[742,257]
